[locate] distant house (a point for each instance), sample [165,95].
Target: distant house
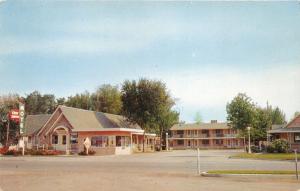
[289,132]
[212,135]
[67,128]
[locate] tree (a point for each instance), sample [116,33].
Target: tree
[107,99]
[36,103]
[296,113]
[198,118]
[144,103]
[278,117]
[60,101]
[166,119]
[262,123]
[82,101]
[8,102]
[240,112]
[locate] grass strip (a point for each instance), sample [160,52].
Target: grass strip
[251,172]
[267,156]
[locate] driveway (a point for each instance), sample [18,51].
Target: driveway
[172,171]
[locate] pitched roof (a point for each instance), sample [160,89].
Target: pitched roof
[85,120]
[34,123]
[195,126]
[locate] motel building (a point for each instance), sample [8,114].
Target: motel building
[212,135]
[67,128]
[289,132]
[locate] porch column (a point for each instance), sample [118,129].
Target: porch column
[131,144]
[67,143]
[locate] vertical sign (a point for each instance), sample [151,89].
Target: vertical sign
[21,113]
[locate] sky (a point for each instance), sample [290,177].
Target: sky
[205,52]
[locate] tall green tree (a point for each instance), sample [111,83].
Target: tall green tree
[8,102]
[36,103]
[241,112]
[82,101]
[144,102]
[198,118]
[107,99]
[278,116]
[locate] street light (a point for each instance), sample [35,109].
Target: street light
[249,147]
[167,141]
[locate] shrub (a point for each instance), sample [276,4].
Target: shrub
[91,152]
[255,149]
[270,149]
[3,150]
[278,146]
[281,146]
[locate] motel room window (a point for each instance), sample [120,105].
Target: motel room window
[54,139]
[205,142]
[180,142]
[219,142]
[64,139]
[122,141]
[100,141]
[297,137]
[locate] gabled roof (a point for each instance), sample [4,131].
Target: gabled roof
[33,123]
[195,126]
[86,120]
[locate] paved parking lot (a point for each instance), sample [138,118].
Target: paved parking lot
[172,171]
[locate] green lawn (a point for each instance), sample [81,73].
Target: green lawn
[251,172]
[267,156]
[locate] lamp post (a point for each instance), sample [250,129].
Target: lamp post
[167,141]
[249,142]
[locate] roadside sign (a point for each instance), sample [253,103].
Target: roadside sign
[87,143]
[21,116]
[14,115]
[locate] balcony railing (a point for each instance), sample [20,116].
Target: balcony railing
[204,135]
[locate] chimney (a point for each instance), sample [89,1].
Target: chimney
[213,121]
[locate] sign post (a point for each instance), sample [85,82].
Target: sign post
[296,163]
[198,161]
[22,145]
[21,114]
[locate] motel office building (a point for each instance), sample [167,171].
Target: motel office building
[67,128]
[212,135]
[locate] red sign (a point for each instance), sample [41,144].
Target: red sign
[14,115]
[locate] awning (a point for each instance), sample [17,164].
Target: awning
[285,130]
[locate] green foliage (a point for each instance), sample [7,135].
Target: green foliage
[278,117]
[8,102]
[148,103]
[107,99]
[35,103]
[240,112]
[198,118]
[296,113]
[280,146]
[82,101]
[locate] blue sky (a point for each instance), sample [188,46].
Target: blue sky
[206,52]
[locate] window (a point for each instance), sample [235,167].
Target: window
[180,142]
[219,142]
[64,139]
[54,139]
[205,142]
[297,137]
[122,141]
[74,138]
[99,141]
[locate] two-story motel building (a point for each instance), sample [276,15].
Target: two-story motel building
[212,135]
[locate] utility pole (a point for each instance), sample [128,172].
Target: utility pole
[7,132]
